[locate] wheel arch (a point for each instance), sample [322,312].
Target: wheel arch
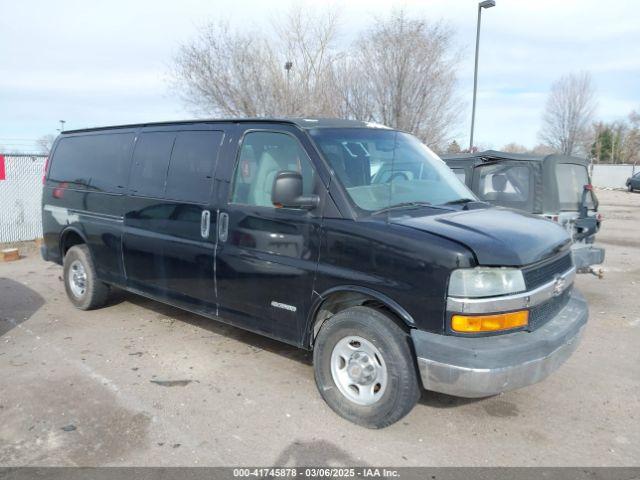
[70,237]
[340,298]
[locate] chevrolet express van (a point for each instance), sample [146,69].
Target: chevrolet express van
[342,237]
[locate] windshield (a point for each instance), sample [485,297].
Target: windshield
[382,168]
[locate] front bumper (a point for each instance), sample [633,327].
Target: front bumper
[585,255]
[483,366]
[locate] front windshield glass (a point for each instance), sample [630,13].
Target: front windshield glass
[383,168]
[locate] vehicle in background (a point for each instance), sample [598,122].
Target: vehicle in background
[556,187]
[341,237]
[633,182]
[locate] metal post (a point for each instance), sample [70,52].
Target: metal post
[481,5]
[287,67]
[62,122]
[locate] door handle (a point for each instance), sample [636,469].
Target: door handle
[205,223]
[223,226]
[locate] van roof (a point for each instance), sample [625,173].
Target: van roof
[304,123]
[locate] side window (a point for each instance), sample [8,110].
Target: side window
[192,164]
[150,162]
[504,184]
[98,161]
[262,156]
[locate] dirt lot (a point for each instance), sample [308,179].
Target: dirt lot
[140,383]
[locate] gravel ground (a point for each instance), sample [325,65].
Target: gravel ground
[141,383]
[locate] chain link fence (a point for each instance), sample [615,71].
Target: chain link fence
[20,197]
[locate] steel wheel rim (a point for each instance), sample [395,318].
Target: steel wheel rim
[359,370]
[77,278]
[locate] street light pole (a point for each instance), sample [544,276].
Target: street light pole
[62,122]
[287,67]
[481,5]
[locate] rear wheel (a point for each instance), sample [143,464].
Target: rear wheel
[364,368]
[630,187]
[83,288]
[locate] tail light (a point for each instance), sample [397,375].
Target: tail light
[588,187]
[58,192]
[599,217]
[44,173]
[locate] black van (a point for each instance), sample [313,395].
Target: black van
[344,237]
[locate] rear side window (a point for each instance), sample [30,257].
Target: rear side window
[150,163]
[506,185]
[192,165]
[99,162]
[572,178]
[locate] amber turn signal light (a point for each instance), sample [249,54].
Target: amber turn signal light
[489,323]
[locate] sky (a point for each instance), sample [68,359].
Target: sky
[97,62]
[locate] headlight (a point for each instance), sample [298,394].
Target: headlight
[485,282]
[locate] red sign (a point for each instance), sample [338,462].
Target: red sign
[3,175]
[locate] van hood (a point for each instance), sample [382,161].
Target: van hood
[498,237]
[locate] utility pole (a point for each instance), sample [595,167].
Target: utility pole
[287,66]
[62,122]
[481,5]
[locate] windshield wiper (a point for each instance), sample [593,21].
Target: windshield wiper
[460,201]
[402,205]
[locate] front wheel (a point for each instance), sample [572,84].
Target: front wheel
[364,368]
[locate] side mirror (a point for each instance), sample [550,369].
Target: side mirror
[287,192]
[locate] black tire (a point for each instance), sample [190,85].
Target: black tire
[630,188]
[402,389]
[95,292]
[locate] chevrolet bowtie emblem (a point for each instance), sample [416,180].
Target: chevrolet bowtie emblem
[558,286]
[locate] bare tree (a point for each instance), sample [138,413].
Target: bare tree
[401,72]
[514,147]
[226,72]
[453,147]
[309,42]
[542,149]
[569,111]
[45,143]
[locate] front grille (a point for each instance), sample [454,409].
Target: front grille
[541,274]
[541,314]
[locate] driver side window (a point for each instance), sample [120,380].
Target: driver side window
[262,156]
